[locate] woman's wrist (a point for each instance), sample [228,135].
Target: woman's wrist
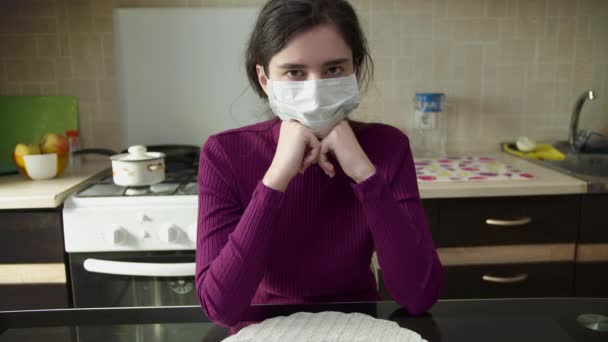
[364,173]
[274,180]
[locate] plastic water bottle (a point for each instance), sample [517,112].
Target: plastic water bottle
[430,126]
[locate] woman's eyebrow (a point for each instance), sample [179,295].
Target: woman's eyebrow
[292,66]
[336,61]
[303,66]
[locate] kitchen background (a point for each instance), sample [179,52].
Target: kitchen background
[508,67]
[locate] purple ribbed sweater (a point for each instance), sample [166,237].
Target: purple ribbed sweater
[314,242]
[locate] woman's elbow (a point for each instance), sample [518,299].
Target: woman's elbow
[417,305]
[216,311]
[419,302]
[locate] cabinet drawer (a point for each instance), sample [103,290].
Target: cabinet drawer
[509,281]
[31,236]
[511,220]
[431,209]
[33,296]
[592,279]
[594,219]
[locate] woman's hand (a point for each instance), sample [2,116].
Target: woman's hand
[297,149]
[341,141]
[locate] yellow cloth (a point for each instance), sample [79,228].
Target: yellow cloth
[542,151]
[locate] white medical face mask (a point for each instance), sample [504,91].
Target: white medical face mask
[317,104]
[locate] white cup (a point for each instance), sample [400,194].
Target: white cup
[41,166]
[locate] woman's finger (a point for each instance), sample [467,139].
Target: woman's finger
[309,160]
[311,157]
[313,153]
[325,164]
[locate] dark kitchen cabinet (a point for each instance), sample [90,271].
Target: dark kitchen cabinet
[503,281]
[468,224]
[431,208]
[592,248]
[32,240]
[594,219]
[31,236]
[533,221]
[33,296]
[509,281]
[592,279]
[508,220]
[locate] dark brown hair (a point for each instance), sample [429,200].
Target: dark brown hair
[280,20]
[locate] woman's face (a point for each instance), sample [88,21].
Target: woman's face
[311,55]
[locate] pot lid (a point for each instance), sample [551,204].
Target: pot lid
[137,153]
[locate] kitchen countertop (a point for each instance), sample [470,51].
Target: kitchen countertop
[546,182]
[18,192]
[544,319]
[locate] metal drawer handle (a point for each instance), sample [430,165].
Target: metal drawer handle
[505,280]
[509,223]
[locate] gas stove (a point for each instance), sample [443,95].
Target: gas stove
[176,183]
[106,217]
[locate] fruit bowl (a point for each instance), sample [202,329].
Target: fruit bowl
[42,166]
[45,160]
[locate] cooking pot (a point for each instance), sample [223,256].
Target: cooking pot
[138,167]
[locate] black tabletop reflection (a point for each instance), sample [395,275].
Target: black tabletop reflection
[449,320]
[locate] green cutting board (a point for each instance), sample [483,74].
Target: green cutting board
[25,119]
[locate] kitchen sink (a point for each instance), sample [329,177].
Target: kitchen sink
[592,164]
[590,167]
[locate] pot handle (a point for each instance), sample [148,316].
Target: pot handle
[155,167]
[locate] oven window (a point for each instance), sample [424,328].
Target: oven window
[100,288]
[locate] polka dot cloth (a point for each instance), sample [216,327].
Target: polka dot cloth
[459,169]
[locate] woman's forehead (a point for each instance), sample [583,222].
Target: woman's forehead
[313,48]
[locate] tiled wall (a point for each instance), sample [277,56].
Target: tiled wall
[508,67]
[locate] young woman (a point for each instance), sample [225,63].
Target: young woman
[291,209]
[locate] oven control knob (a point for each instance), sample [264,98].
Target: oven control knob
[192,232]
[117,235]
[142,234]
[169,233]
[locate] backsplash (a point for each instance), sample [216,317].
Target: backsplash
[508,67]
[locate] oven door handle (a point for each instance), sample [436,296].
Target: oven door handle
[140,269]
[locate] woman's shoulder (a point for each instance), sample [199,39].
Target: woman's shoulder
[244,136]
[377,132]
[247,130]
[386,146]
[240,148]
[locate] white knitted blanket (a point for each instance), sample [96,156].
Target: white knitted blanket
[325,327]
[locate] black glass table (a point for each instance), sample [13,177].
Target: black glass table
[546,319]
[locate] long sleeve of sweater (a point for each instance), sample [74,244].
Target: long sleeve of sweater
[406,254]
[233,243]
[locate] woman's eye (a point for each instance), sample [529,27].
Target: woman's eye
[334,70]
[294,73]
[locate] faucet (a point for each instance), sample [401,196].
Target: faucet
[574,136]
